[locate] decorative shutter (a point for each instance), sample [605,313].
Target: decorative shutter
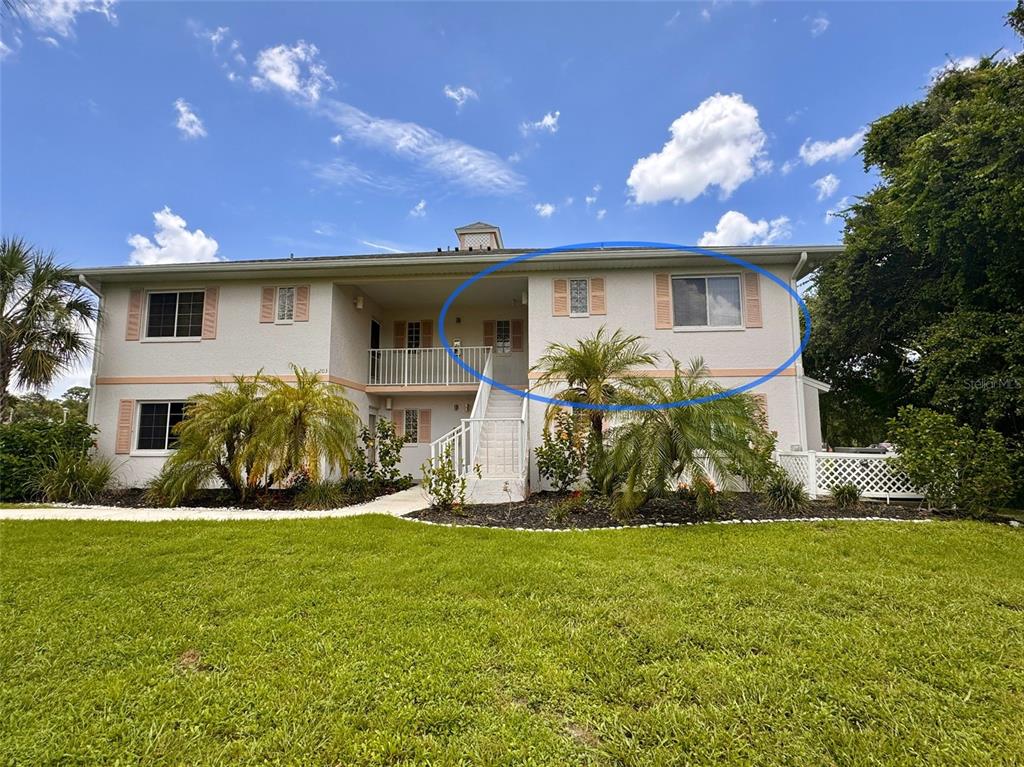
[398,419]
[426,333]
[210,301]
[123,439]
[134,323]
[267,297]
[517,335]
[302,303]
[560,297]
[662,302]
[424,435]
[597,299]
[752,299]
[398,342]
[488,332]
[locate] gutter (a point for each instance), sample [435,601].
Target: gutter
[91,411]
[801,407]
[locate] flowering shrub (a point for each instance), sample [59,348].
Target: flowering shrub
[562,456]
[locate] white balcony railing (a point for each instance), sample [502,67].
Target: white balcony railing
[433,366]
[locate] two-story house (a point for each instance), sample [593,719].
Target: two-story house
[370,323]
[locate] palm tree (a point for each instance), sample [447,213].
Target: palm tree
[713,439]
[45,321]
[596,370]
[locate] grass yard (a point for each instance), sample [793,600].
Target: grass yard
[378,641]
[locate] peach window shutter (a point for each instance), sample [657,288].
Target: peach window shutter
[210,301]
[517,335]
[752,300]
[123,439]
[134,323]
[488,332]
[424,435]
[398,342]
[662,302]
[597,296]
[267,296]
[560,297]
[426,333]
[398,419]
[302,303]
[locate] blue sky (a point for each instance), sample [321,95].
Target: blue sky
[153,132]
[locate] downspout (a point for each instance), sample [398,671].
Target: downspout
[90,413]
[801,411]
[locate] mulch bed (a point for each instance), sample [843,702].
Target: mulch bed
[538,512]
[275,499]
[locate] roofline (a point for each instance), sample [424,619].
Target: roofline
[454,260]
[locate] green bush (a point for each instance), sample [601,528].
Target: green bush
[28,447]
[954,466]
[844,495]
[562,455]
[379,456]
[707,496]
[73,476]
[782,494]
[325,494]
[568,506]
[442,483]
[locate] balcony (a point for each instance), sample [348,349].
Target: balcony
[395,370]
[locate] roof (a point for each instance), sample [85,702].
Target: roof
[476,226]
[455,261]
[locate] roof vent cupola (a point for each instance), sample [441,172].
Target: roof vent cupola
[479,236]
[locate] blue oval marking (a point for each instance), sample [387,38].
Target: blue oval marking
[624,244]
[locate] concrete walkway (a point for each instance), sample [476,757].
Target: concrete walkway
[395,505]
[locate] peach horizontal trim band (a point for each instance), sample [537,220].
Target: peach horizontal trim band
[423,389]
[713,372]
[121,380]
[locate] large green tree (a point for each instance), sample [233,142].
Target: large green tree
[926,304]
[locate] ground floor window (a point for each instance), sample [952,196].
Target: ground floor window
[412,425]
[156,425]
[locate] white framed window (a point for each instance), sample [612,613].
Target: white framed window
[175,314]
[413,338]
[579,298]
[285,305]
[156,422]
[706,302]
[412,425]
[503,336]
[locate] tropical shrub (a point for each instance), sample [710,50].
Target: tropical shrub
[707,496]
[785,495]
[442,483]
[562,456]
[377,460]
[324,494]
[954,466]
[28,446]
[563,509]
[844,495]
[73,476]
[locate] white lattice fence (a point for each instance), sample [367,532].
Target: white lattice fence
[873,475]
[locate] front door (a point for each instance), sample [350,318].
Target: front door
[374,344]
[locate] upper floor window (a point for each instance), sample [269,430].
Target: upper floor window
[156,425]
[285,304]
[413,335]
[503,336]
[706,302]
[579,298]
[175,315]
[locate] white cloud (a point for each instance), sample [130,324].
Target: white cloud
[188,121]
[544,209]
[836,212]
[51,41]
[342,172]
[954,65]
[172,243]
[601,214]
[59,16]
[569,201]
[673,19]
[788,166]
[706,14]
[591,198]
[297,70]
[381,246]
[336,139]
[419,210]
[734,228]
[720,143]
[840,149]
[460,95]
[5,50]
[818,25]
[826,186]
[548,122]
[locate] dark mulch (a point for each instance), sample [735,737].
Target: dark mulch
[279,499]
[539,511]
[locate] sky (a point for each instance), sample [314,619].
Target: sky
[155,132]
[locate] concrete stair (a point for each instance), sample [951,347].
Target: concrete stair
[498,451]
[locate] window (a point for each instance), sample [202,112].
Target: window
[579,298]
[412,335]
[285,304]
[503,336]
[156,424]
[412,425]
[175,315]
[706,302]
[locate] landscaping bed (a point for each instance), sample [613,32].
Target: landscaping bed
[274,499]
[559,511]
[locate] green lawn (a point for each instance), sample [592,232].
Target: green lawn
[377,641]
